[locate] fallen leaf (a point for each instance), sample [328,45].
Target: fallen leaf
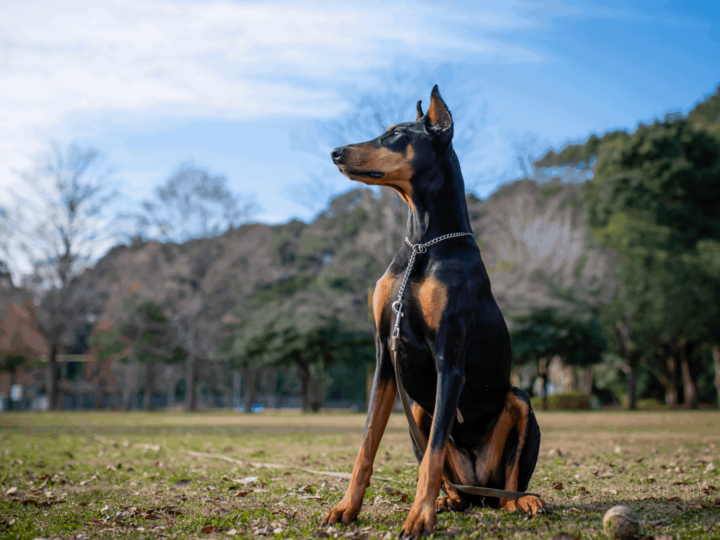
[243,493]
[11,491]
[99,523]
[564,536]
[680,483]
[183,482]
[208,529]
[557,485]
[674,499]
[231,532]
[403,497]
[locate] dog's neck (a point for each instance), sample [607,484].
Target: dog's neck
[439,207]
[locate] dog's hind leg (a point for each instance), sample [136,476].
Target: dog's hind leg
[458,466]
[509,453]
[458,470]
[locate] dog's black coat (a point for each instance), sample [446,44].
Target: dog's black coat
[454,350]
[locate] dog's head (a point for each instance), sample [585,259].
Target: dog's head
[399,157]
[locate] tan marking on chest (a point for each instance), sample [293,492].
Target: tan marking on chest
[432,297]
[381,295]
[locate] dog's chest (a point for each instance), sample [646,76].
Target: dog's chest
[428,296]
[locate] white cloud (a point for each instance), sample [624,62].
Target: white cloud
[218,60]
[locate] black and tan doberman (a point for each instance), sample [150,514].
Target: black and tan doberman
[454,352]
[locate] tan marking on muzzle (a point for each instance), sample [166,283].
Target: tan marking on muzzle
[396,168]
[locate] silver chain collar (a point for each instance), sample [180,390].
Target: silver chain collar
[397,305]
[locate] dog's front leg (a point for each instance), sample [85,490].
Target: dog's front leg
[382,398]
[422,516]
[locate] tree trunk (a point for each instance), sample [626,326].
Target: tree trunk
[270,387]
[61,386]
[100,388]
[588,380]
[316,394]
[250,386]
[128,385]
[574,384]
[149,385]
[51,378]
[304,373]
[632,403]
[190,388]
[671,394]
[689,388]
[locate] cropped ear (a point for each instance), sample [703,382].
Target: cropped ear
[419,110]
[438,119]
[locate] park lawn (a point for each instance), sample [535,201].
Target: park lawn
[157,475]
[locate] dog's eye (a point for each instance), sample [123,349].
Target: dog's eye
[396,133]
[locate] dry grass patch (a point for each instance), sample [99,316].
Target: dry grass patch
[111,475]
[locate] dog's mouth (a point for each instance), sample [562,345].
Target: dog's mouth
[355,172]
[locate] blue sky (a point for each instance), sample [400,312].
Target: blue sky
[260,92]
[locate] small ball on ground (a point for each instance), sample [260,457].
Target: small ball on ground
[621,523]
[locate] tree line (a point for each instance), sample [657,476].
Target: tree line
[652,198]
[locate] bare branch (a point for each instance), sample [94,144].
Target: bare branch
[192,204]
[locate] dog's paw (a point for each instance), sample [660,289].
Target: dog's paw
[448,504]
[345,512]
[422,519]
[530,504]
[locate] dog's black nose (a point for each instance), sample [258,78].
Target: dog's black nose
[337,154]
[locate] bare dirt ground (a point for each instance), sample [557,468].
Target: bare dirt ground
[214,475]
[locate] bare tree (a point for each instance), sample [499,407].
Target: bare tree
[61,225]
[192,204]
[186,320]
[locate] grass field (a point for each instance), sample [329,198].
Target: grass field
[158,475]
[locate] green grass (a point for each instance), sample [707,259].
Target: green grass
[115,475]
